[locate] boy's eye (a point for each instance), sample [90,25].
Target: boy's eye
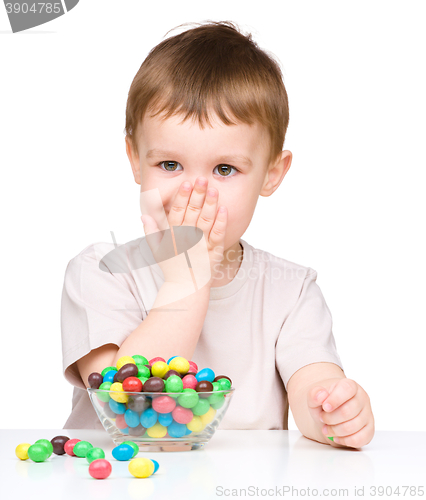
[223,170]
[169,165]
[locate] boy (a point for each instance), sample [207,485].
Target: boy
[206,119]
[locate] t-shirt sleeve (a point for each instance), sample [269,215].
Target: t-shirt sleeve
[97,308]
[306,335]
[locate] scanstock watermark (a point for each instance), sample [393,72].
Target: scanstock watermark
[27,14]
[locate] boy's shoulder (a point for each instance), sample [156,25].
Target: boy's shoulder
[272,263]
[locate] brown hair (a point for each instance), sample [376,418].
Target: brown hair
[213,66]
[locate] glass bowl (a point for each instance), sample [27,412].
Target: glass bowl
[131,407]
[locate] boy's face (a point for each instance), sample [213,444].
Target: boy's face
[172,151]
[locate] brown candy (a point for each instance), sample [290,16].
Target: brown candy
[137,402]
[95,379]
[171,372]
[153,384]
[222,376]
[190,373]
[58,443]
[137,431]
[204,386]
[128,370]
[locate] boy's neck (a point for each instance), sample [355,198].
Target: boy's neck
[232,258]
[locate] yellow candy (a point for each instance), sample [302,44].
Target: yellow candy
[124,360]
[141,467]
[120,398]
[21,451]
[208,417]
[157,431]
[196,424]
[159,369]
[181,365]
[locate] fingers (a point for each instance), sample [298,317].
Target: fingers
[344,390]
[357,439]
[343,413]
[178,209]
[317,396]
[196,202]
[347,427]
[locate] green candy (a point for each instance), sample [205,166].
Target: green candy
[143,371]
[216,386]
[140,360]
[48,445]
[38,452]
[94,454]
[143,379]
[134,446]
[201,408]
[215,399]
[188,398]
[82,448]
[107,369]
[104,396]
[219,404]
[224,383]
[174,384]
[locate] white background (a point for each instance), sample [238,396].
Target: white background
[352,205]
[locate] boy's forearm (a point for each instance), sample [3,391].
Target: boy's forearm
[172,329]
[304,421]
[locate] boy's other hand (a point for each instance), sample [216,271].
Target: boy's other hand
[344,410]
[192,206]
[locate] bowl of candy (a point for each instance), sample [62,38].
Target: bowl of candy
[159,405]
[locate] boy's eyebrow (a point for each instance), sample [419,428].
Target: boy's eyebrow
[161,152]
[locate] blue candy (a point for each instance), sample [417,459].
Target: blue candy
[165,419]
[205,374]
[177,430]
[109,376]
[132,418]
[148,418]
[171,359]
[155,465]
[123,452]
[118,408]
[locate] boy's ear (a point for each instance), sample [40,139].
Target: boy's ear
[275,174]
[134,161]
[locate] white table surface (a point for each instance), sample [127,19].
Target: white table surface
[231,462]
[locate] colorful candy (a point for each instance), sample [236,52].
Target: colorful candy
[82,448]
[100,469]
[123,452]
[156,398]
[95,454]
[141,467]
[38,452]
[58,443]
[69,446]
[21,451]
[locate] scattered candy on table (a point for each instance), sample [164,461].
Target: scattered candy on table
[99,468]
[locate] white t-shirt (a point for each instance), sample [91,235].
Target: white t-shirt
[263,326]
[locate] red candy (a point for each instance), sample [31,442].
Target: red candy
[132,384]
[100,468]
[120,422]
[69,446]
[182,415]
[163,404]
[193,367]
[189,382]
[153,360]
